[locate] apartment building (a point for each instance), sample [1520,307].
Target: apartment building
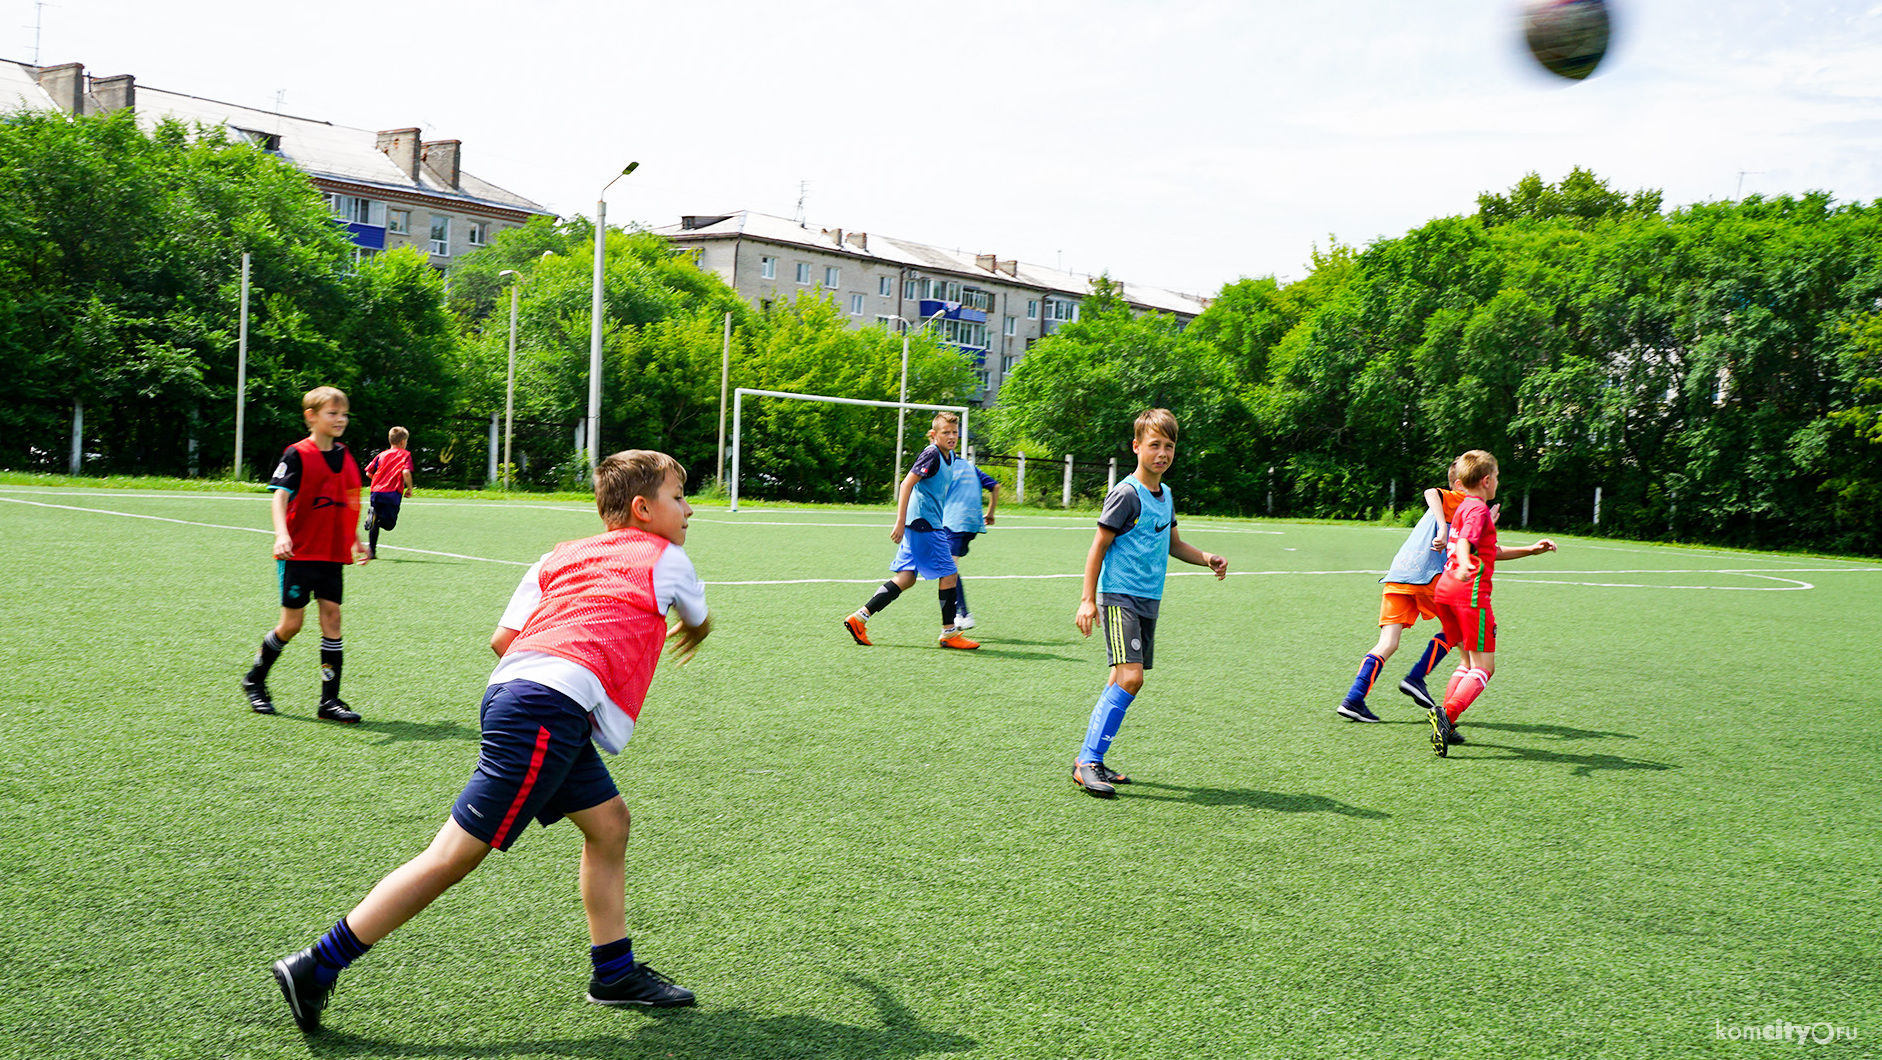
[390,188]
[994,309]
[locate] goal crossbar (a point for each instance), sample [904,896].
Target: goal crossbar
[738,411]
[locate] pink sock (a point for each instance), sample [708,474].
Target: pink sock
[1468,689]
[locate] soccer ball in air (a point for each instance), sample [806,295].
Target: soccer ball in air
[1568,37]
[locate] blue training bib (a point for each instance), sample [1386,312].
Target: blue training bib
[1139,557]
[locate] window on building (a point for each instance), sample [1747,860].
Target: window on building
[477,233]
[1061,310]
[885,286]
[803,272]
[1007,363]
[355,210]
[1032,309]
[363,254]
[911,289]
[267,141]
[440,235]
[981,378]
[964,333]
[856,305]
[832,277]
[768,268]
[1012,326]
[399,221]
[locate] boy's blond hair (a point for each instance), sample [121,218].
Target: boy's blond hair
[941,418]
[318,397]
[1162,421]
[628,474]
[1473,467]
[397,436]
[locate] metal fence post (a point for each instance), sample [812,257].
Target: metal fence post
[1066,500]
[1525,509]
[1019,484]
[1597,506]
[492,478]
[1110,477]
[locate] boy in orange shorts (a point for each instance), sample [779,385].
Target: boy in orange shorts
[1463,595]
[1409,585]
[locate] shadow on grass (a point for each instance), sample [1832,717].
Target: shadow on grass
[720,1034]
[1001,652]
[1560,732]
[1276,801]
[402,731]
[1585,765]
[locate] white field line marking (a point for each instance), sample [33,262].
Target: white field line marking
[1082,526]
[1790,588]
[249,530]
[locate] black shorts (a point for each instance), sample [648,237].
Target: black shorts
[959,543]
[1128,636]
[536,762]
[385,509]
[304,579]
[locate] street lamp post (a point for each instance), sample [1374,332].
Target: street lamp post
[594,324]
[901,414]
[509,385]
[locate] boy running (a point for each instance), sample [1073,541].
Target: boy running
[315,509]
[1463,597]
[1409,586]
[577,648]
[1124,572]
[922,543]
[391,473]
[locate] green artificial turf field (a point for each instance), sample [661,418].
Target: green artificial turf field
[1664,829]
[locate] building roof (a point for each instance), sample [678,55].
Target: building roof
[317,148]
[902,253]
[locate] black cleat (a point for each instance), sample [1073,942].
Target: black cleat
[337,710]
[306,996]
[1356,712]
[1416,690]
[1085,775]
[1109,775]
[639,985]
[256,690]
[1443,733]
[1457,735]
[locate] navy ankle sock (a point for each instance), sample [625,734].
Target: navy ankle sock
[612,960]
[335,950]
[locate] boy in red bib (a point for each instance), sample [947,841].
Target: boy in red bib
[577,647]
[391,473]
[1462,600]
[316,534]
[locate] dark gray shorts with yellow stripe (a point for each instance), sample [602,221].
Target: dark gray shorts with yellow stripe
[1129,637]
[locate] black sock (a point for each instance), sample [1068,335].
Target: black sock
[947,606]
[372,538]
[883,598]
[960,596]
[271,646]
[332,652]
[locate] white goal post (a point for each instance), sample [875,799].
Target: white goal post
[738,410]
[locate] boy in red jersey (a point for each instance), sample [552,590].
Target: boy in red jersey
[577,647]
[1463,597]
[316,534]
[391,473]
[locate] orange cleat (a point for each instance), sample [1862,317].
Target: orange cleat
[951,638]
[859,628]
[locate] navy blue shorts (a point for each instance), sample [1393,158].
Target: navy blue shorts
[385,509]
[536,761]
[959,543]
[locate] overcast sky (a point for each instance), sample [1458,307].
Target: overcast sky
[1181,144]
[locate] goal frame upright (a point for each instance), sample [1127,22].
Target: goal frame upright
[738,413]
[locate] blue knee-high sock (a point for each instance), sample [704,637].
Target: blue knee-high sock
[335,950]
[613,959]
[1368,673]
[1106,716]
[1434,653]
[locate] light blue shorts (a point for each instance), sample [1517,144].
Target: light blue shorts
[925,552]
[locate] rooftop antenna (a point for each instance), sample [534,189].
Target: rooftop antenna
[1742,174]
[803,192]
[39,21]
[280,99]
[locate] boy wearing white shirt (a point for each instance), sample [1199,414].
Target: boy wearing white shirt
[578,645]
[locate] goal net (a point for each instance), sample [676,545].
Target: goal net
[738,415]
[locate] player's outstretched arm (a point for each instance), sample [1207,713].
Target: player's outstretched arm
[686,639]
[1188,553]
[1525,551]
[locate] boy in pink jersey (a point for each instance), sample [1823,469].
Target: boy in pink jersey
[391,474]
[577,648]
[1462,600]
